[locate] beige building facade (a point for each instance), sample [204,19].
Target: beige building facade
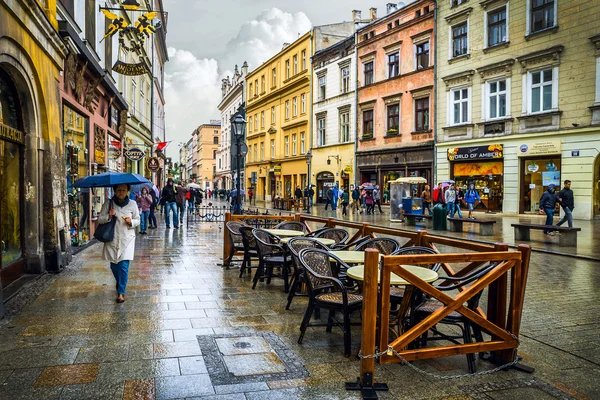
[206,145]
[518,100]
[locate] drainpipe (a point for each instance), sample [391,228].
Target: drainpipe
[355,166]
[435,91]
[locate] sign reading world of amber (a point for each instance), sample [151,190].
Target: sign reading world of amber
[134,154]
[131,69]
[12,134]
[490,152]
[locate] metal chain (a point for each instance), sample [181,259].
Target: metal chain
[391,351]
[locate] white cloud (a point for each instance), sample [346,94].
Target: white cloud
[193,85]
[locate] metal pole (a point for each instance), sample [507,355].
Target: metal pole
[309,187]
[237,200]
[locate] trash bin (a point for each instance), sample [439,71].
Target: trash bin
[439,217]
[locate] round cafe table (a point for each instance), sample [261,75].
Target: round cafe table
[424,274]
[324,241]
[350,257]
[285,232]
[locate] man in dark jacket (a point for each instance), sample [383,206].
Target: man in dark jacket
[329,198]
[298,192]
[567,202]
[168,199]
[180,200]
[547,206]
[356,200]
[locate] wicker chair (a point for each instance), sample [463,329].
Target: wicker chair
[348,246]
[316,232]
[429,306]
[295,245]
[337,234]
[271,254]
[250,249]
[396,293]
[385,246]
[233,227]
[327,292]
[293,226]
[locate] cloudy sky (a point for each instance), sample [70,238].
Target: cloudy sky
[207,38]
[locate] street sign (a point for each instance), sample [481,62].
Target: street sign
[153,164]
[575,153]
[242,151]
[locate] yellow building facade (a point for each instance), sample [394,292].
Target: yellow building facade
[518,101]
[206,144]
[278,110]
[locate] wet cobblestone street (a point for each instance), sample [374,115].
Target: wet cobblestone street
[190,329]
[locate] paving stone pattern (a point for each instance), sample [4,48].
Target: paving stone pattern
[190,329]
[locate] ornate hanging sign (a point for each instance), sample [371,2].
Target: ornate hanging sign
[134,154]
[131,69]
[153,164]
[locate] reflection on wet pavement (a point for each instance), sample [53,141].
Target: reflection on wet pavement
[190,328]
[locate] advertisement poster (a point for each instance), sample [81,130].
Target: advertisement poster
[552,177]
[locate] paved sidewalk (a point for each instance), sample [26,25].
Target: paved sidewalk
[588,242]
[190,329]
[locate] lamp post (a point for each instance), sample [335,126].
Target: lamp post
[238,126]
[308,162]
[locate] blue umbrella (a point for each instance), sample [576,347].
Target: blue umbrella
[369,187]
[109,179]
[235,191]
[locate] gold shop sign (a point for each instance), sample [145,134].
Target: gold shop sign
[131,69]
[12,134]
[348,170]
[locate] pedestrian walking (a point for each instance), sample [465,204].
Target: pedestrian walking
[191,199]
[167,199]
[329,198]
[370,202]
[567,202]
[450,198]
[426,195]
[250,195]
[438,195]
[470,198]
[345,200]
[459,199]
[298,193]
[152,217]
[144,201]
[180,196]
[547,205]
[336,196]
[311,195]
[356,200]
[120,251]
[377,197]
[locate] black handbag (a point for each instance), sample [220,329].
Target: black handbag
[106,232]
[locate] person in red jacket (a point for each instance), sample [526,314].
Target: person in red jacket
[438,195]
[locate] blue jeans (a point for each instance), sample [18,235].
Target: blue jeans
[144,221]
[427,206]
[168,207]
[190,206]
[120,272]
[457,208]
[549,218]
[568,217]
[181,210]
[450,209]
[334,204]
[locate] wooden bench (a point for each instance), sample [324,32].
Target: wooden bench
[411,219]
[486,227]
[567,237]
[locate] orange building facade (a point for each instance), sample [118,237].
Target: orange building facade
[395,56]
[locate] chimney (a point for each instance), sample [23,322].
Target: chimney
[237,72]
[285,45]
[391,7]
[245,69]
[356,15]
[373,13]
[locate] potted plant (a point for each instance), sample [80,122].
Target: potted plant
[392,131]
[367,135]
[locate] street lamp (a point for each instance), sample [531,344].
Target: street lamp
[238,127]
[308,162]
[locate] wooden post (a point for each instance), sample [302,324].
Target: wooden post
[366,381]
[226,240]
[497,292]
[420,235]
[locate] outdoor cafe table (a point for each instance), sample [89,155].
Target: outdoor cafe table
[285,232]
[324,241]
[350,257]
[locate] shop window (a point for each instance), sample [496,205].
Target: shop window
[487,177]
[536,175]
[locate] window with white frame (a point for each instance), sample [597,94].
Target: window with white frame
[262,119]
[256,87]
[321,132]
[295,64]
[542,15]
[497,27]
[497,99]
[303,103]
[302,143]
[287,146]
[272,148]
[250,124]
[542,86]
[287,109]
[255,152]
[368,73]
[142,102]
[287,69]
[273,115]
[344,126]
[133,96]
[322,87]
[454,3]
[262,84]
[274,77]
[294,144]
[461,104]
[256,122]
[393,65]
[262,151]
[345,79]
[303,60]
[295,107]
[460,39]
[422,55]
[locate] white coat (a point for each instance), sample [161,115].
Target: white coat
[122,247]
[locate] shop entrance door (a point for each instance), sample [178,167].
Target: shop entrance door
[325,180]
[536,174]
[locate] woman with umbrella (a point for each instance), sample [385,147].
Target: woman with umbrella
[120,251]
